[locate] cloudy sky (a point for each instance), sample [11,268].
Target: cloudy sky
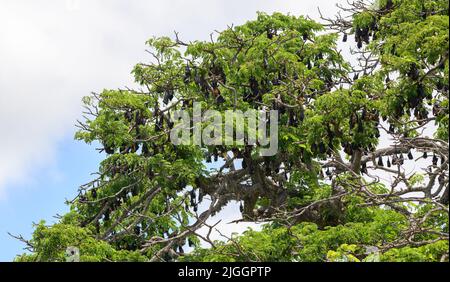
[52,53]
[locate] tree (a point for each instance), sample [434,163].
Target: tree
[323,194]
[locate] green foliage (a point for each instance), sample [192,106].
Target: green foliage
[144,203]
[306,242]
[50,244]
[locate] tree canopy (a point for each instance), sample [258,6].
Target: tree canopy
[361,171]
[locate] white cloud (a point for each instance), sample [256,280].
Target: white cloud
[54,52]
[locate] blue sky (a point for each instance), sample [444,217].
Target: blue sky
[42,195]
[55,52]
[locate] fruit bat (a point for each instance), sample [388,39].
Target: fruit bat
[305,36]
[410,155]
[106,215]
[128,115]
[187,74]
[168,96]
[137,230]
[359,44]
[254,86]
[391,129]
[413,72]
[82,198]
[109,150]
[380,161]
[365,35]
[435,160]
[244,164]
[94,193]
[270,33]
[389,5]
[441,179]
[200,196]
[387,79]
[97,227]
[360,125]
[363,168]
[193,196]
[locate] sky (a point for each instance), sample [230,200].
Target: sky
[54,52]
